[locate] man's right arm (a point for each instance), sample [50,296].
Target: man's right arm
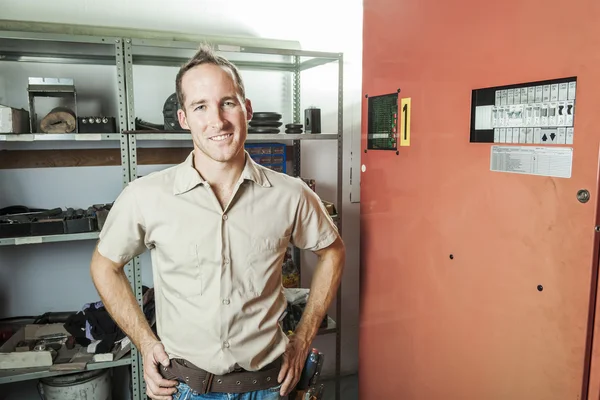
[119,300]
[123,236]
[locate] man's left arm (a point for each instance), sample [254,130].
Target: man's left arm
[324,286]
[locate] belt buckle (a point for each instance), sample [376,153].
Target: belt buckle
[207,383]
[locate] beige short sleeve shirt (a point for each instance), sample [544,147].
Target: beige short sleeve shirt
[217,272]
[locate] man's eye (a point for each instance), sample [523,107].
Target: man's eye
[200,108]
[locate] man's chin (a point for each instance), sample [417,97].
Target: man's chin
[222,155]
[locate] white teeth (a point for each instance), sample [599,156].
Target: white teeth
[222,137]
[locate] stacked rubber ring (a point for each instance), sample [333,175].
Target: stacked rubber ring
[293,128]
[265,122]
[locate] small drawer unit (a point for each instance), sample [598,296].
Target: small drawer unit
[270,155]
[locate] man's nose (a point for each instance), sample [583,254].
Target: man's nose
[216,119]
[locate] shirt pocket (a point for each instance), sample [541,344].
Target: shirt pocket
[180,270]
[263,274]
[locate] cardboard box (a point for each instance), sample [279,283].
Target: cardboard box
[13,120]
[11,357]
[76,359]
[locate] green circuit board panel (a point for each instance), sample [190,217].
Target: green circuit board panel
[383,122]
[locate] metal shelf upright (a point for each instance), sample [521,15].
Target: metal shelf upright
[173,53]
[54,48]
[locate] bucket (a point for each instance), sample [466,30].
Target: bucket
[88,385]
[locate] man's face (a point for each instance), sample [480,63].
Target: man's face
[214,112]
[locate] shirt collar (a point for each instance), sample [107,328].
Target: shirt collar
[187,177]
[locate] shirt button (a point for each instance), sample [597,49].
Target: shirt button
[226,344]
[225,217]
[226,302]
[226,261]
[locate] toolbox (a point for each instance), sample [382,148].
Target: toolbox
[8,229]
[19,221]
[96,124]
[48,226]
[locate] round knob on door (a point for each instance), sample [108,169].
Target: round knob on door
[583,196]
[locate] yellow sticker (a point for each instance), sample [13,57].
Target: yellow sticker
[405,122]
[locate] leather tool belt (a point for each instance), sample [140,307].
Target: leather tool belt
[203,382]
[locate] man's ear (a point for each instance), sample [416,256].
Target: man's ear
[249,111]
[182,119]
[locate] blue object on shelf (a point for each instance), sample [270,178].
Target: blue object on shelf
[270,155]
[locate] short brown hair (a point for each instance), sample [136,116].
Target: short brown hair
[206,55]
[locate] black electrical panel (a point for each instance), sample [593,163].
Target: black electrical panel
[383,122]
[540,112]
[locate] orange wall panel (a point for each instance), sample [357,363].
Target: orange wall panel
[475,326]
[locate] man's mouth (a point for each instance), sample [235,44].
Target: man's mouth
[221,137]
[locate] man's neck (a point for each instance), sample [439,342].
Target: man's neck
[219,173]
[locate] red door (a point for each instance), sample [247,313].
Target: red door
[476,284]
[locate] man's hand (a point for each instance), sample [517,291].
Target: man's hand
[325,282]
[115,292]
[155,357]
[294,359]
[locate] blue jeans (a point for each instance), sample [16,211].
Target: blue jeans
[184,392]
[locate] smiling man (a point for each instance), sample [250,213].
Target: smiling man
[217,226]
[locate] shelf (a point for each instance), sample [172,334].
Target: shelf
[46,47]
[49,238]
[252,137]
[175,53]
[47,137]
[331,327]
[25,374]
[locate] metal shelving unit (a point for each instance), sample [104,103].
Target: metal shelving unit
[123,54]
[46,48]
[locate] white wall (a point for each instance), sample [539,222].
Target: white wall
[48,271]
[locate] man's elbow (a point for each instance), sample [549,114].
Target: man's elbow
[101,264]
[336,253]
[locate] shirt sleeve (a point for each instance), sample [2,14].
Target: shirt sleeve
[123,234]
[313,228]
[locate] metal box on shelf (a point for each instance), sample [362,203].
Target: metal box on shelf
[80,221]
[8,230]
[96,124]
[49,87]
[50,226]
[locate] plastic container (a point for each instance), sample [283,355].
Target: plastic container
[88,385]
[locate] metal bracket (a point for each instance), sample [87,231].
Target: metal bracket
[49,87]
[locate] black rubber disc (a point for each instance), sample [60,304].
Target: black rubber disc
[294,126]
[266,116]
[254,129]
[266,123]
